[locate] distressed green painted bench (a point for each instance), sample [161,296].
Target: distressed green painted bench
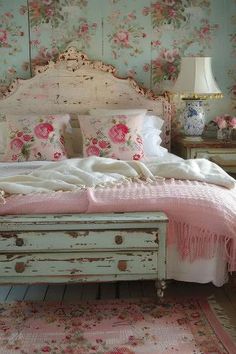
[83,248]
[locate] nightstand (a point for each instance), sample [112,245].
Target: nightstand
[221,152]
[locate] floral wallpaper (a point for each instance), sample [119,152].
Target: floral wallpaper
[144,39]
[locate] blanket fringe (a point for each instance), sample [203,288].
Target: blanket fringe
[226,322]
[195,243]
[138,179]
[108,184]
[230,249]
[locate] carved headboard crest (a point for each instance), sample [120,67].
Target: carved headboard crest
[73,60]
[74,84]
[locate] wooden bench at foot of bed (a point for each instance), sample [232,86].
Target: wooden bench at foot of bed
[83,248]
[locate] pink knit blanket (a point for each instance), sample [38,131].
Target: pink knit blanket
[202,216]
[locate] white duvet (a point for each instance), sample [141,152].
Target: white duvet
[77,173]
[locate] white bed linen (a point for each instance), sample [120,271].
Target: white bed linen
[13,168]
[16,168]
[93,171]
[20,168]
[201,270]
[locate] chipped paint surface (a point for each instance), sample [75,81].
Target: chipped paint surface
[52,264]
[92,247]
[78,240]
[75,84]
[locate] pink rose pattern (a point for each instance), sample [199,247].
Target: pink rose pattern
[84,327]
[117,136]
[43,130]
[166,66]
[36,138]
[49,11]
[118,132]
[225,121]
[166,12]
[5,30]
[128,36]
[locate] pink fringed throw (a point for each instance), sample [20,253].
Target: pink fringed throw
[202,216]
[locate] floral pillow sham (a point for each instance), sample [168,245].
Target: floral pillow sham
[151,127]
[115,136]
[36,137]
[150,119]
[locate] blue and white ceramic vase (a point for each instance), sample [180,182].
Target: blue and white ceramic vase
[194,118]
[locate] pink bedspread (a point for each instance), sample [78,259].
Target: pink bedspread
[202,217]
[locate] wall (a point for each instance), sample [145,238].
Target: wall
[143,39]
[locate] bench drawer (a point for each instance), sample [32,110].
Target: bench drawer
[42,241]
[78,264]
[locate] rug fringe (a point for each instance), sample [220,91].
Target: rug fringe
[223,318]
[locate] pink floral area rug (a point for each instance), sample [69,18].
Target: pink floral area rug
[141,326]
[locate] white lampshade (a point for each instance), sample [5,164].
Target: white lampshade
[196,79]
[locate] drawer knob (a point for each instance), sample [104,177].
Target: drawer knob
[122,266]
[20,267]
[118,239]
[19,242]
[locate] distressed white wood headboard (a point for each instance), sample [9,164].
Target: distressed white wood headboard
[74,84]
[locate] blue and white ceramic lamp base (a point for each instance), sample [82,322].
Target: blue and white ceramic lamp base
[194,118]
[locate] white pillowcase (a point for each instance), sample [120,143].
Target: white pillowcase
[109,111]
[152,121]
[151,128]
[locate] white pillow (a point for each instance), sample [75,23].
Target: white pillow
[152,121]
[109,111]
[151,128]
[151,141]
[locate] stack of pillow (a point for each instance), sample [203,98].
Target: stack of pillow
[127,134]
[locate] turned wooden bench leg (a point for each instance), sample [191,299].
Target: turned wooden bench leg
[160,287]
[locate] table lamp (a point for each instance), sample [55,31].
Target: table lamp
[194,84]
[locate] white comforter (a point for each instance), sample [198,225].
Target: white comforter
[72,174]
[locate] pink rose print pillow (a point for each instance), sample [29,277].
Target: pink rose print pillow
[38,137]
[114,136]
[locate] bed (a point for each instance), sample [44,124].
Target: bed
[193,207]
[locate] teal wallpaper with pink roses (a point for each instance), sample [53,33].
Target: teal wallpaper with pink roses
[144,39]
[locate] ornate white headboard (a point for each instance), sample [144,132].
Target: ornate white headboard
[75,84]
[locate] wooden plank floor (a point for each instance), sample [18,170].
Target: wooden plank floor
[75,292]
[91,291]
